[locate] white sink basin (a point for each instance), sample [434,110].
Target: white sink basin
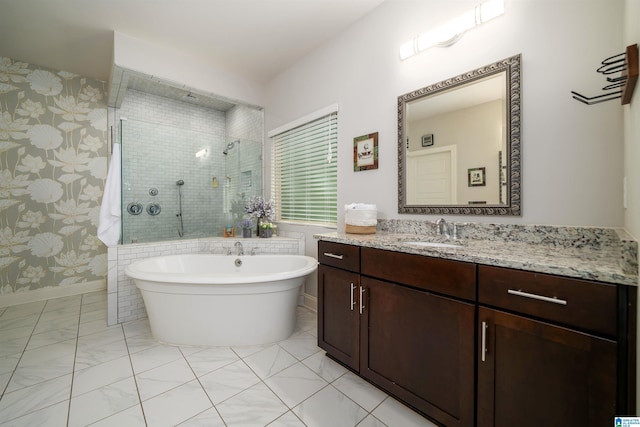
[433,245]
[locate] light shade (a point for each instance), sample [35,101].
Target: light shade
[449,33]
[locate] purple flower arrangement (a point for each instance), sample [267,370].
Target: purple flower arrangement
[259,208]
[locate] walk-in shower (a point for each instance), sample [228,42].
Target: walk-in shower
[188,201]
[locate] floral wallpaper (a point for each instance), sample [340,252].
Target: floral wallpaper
[53,165]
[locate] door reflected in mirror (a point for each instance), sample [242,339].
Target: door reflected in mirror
[459,144]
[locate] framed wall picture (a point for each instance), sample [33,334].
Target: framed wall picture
[477,177]
[427,140]
[365,152]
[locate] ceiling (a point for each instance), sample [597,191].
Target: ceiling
[256,39]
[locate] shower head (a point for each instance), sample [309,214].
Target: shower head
[179,182]
[225,152]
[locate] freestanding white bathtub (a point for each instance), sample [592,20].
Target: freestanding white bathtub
[218,300]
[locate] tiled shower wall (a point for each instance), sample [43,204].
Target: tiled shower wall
[159,141]
[161,137]
[124,300]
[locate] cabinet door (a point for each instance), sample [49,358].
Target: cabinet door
[420,347]
[533,374]
[338,314]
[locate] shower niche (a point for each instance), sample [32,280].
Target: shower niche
[165,141]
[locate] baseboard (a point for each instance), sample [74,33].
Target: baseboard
[52,292]
[310,302]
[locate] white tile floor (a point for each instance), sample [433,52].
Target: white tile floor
[60,365]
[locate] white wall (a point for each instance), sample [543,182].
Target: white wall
[632,129]
[572,153]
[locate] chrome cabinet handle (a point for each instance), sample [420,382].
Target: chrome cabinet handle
[361,299]
[330,255]
[484,340]
[353,302]
[553,300]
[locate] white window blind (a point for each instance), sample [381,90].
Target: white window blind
[304,173]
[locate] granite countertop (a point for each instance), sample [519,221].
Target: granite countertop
[599,262]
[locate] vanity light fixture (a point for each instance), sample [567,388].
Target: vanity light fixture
[449,33]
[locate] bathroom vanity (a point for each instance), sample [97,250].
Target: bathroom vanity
[462,336]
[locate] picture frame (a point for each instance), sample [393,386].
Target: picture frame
[427,140]
[477,177]
[365,152]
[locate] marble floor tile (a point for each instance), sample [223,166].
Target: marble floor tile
[371,421]
[13,346]
[176,405]
[89,355]
[43,364]
[141,342]
[103,374]
[17,322]
[393,413]
[256,406]
[22,310]
[208,360]
[154,357]
[103,402]
[67,322]
[13,333]
[228,381]
[208,418]
[295,384]
[360,391]
[301,345]
[35,397]
[131,417]
[344,411]
[137,327]
[52,337]
[287,420]
[324,366]
[50,416]
[270,361]
[60,365]
[163,378]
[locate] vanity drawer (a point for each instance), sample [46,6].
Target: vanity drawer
[452,278]
[346,257]
[579,303]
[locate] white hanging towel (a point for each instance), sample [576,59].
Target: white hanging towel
[110,210]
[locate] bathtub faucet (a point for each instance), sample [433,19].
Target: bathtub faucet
[239,248]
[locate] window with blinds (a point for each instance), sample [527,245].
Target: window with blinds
[304,173]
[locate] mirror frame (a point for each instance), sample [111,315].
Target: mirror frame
[512,67]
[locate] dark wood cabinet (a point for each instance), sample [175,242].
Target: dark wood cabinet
[386,318]
[552,350]
[476,345]
[532,373]
[338,317]
[420,347]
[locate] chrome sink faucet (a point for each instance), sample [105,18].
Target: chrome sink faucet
[239,248]
[443,228]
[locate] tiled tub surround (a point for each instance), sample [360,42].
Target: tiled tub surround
[601,254]
[124,300]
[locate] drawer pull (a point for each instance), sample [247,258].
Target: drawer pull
[361,299]
[353,302]
[330,255]
[484,340]
[553,300]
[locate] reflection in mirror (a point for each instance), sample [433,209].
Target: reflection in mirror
[459,144]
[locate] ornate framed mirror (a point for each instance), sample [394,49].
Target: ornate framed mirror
[459,147]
